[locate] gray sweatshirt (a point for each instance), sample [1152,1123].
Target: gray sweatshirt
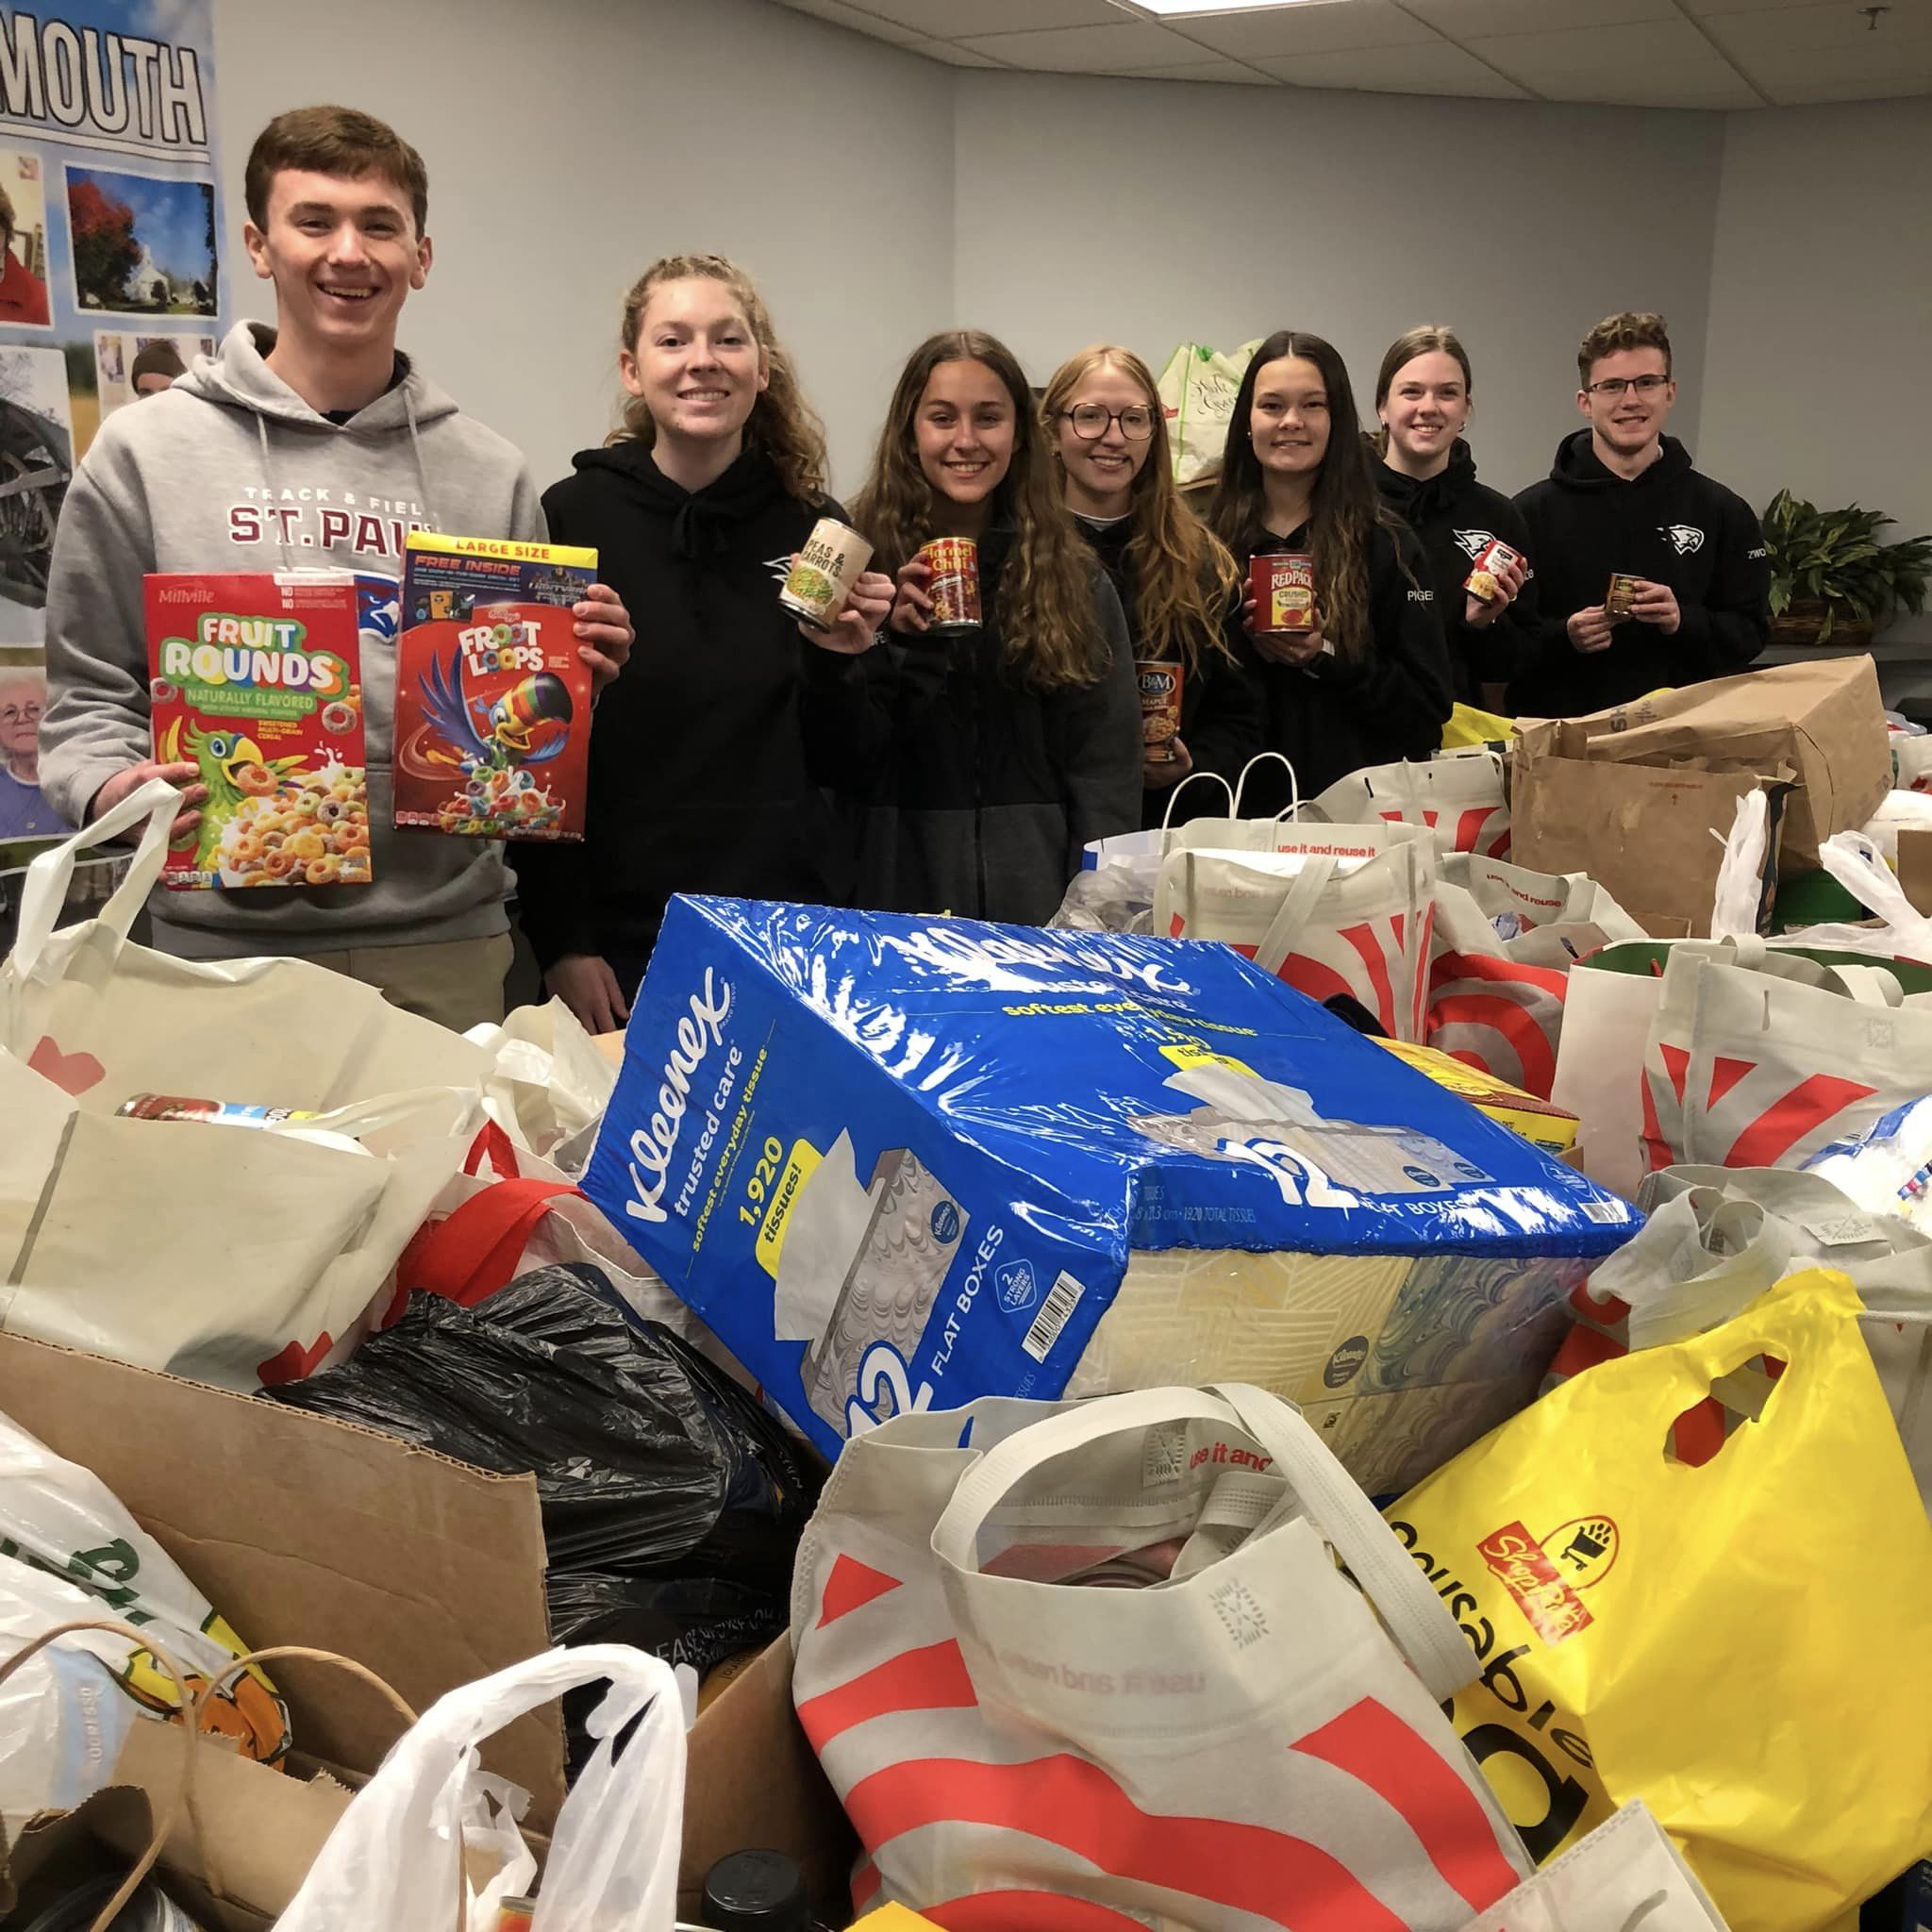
[230,470]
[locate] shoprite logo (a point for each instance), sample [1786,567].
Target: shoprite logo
[1525,1569]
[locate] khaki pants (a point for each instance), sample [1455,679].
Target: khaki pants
[458,983]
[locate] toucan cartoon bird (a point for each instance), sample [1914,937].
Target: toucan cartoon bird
[231,765]
[494,737]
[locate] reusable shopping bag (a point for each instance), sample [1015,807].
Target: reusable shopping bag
[1739,1644]
[1226,1737]
[1197,390]
[230,1255]
[397,1858]
[1332,909]
[1459,796]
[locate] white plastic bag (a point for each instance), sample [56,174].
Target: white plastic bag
[1197,390]
[548,1084]
[393,1861]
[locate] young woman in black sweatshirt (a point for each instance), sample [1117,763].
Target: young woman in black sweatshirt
[1372,682]
[1427,476]
[1175,579]
[709,755]
[1000,750]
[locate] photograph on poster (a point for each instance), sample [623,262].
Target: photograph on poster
[24,813]
[36,462]
[128,367]
[143,245]
[23,238]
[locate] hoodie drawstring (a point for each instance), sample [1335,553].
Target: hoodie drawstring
[268,484]
[422,467]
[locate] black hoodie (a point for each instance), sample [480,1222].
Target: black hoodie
[1453,516]
[707,753]
[1222,715]
[1670,524]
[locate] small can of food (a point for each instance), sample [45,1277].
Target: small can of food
[515,1914]
[1492,561]
[1283,582]
[829,563]
[222,1113]
[1160,705]
[954,587]
[1621,600]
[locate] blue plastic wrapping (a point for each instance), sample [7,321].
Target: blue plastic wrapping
[904,1162]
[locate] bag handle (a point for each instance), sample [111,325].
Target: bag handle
[1294,809]
[1296,910]
[51,874]
[473,1251]
[1173,798]
[1416,1617]
[1854,862]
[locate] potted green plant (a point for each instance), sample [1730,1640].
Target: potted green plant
[1832,581]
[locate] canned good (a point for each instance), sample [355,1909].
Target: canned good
[221,1113]
[1161,705]
[1492,561]
[514,1914]
[829,563]
[1283,582]
[954,587]
[1620,601]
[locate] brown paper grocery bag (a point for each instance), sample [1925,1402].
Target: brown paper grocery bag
[1643,832]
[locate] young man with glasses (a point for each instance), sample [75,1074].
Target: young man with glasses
[1622,500]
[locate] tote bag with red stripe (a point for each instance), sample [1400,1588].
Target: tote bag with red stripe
[1333,909]
[1226,1740]
[1459,797]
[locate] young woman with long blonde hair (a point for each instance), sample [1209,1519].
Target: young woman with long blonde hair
[1371,683]
[1175,579]
[711,755]
[1006,749]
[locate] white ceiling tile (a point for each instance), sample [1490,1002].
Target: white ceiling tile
[1207,70]
[1086,49]
[1468,20]
[1329,28]
[1821,29]
[1711,89]
[1900,87]
[959,20]
[1438,70]
[952,55]
[1633,55]
[1713,6]
[1775,72]
[842,15]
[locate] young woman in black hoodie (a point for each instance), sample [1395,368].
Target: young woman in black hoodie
[1001,750]
[1427,476]
[1372,682]
[1175,579]
[709,753]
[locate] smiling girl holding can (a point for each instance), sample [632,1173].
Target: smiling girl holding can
[1006,744]
[1370,682]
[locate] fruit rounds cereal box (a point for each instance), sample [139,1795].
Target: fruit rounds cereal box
[255,679]
[493,702]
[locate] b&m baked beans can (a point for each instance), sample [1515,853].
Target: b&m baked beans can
[829,563]
[1283,582]
[1160,705]
[954,587]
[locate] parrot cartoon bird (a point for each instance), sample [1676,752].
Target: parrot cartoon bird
[498,736]
[231,765]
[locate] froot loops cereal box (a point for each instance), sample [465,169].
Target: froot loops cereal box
[255,679]
[493,702]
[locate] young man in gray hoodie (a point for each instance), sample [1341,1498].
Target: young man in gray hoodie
[313,444]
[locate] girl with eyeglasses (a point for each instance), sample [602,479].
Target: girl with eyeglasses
[1177,581]
[1372,682]
[1426,476]
[1005,748]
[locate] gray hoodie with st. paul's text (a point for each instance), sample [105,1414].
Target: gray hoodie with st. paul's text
[230,470]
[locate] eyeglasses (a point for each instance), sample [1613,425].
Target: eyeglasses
[1616,384]
[1090,421]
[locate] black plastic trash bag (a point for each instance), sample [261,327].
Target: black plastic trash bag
[673,1502]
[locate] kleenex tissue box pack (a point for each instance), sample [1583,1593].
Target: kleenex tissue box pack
[903,1162]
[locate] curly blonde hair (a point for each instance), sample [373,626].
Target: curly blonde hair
[1184,576]
[1051,628]
[782,423]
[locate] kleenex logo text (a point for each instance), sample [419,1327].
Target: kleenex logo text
[653,1144]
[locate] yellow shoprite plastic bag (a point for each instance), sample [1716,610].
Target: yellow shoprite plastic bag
[1467,727]
[1741,1645]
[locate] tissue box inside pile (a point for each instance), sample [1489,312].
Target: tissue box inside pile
[903,1162]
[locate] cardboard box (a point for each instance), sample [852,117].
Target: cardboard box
[1915,867]
[1541,1123]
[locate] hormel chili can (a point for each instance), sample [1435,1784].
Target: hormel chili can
[1161,705]
[954,587]
[1283,582]
[1492,561]
[829,563]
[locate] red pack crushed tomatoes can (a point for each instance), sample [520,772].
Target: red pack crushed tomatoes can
[954,587]
[1492,561]
[1283,582]
[1161,705]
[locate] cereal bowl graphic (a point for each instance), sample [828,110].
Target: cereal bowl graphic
[312,830]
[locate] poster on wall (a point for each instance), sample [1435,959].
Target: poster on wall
[114,278]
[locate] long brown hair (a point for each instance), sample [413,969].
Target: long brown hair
[1343,509]
[1427,338]
[782,423]
[1183,576]
[1047,616]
